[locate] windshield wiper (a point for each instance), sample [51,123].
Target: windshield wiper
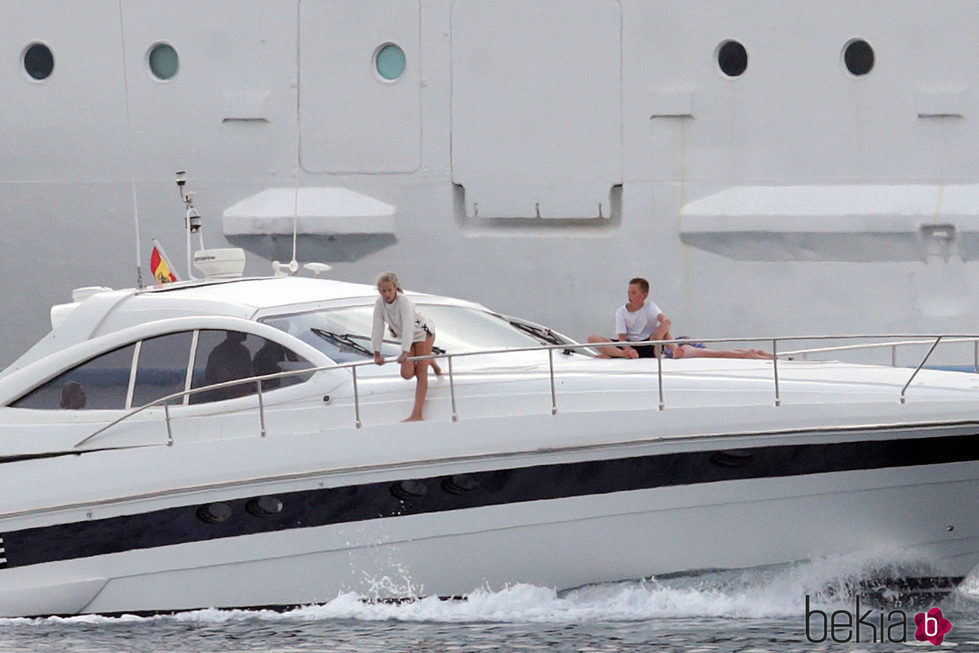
[387,341]
[344,341]
[542,333]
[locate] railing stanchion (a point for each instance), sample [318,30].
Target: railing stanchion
[261,406]
[550,363]
[659,374]
[356,398]
[975,355]
[893,355]
[778,396]
[166,416]
[904,399]
[452,391]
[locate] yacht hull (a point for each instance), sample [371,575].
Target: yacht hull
[560,519]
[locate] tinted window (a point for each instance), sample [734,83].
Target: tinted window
[99,383]
[272,358]
[228,355]
[162,367]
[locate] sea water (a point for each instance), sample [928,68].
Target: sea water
[724,612]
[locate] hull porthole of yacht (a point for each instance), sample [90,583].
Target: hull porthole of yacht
[731,458]
[460,484]
[406,490]
[264,506]
[214,513]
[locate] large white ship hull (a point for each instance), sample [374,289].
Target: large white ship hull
[532,156]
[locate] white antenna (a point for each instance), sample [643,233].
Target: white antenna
[129,145]
[292,267]
[295,220]
[192,219]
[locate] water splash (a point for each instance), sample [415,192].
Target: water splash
[769,592]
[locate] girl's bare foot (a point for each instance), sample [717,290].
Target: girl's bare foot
[413,418]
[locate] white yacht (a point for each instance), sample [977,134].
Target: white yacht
[137,478]
[771,167]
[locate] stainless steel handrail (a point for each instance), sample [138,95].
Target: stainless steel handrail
[905,340]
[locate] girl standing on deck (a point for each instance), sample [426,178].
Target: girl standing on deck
[416,333]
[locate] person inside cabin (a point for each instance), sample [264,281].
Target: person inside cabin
[417,336]
[267,361]
[640,320]
[73,396]
[228,361]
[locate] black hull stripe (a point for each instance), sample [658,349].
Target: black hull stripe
[325,506]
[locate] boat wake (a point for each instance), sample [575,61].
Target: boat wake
[764,592]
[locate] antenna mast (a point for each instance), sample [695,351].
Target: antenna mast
[192,220]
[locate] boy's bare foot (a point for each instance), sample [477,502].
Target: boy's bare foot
[413,418]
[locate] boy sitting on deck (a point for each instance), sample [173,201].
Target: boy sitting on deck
[639,320]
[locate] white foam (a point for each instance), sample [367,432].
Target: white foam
[757,593]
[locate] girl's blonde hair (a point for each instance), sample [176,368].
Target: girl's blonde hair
[389,277]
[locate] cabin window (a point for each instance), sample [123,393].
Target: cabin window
[389,61]
[162,367]
[163,61]
[38,61]
[858,57]
[101,383]
[229,355]
[732,58]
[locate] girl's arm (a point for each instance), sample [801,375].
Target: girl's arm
[407,310]
[377,329]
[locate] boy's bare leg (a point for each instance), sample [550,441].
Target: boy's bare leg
[610,351]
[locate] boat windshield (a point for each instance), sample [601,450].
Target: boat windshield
[344,334]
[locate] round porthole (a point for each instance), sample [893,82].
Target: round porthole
[264,506]
[460,484]
[858,57]
[407,490]
[214,513]
[38,61]
[163,61]
[732,58]
[390,62]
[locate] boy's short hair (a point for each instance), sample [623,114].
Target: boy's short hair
[642,283]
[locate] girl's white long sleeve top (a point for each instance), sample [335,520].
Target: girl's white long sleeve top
[397,315]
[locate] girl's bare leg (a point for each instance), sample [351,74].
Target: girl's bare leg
[420,372]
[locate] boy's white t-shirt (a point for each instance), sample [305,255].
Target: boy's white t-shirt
[638,326]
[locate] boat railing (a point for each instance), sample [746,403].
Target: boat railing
[879,341]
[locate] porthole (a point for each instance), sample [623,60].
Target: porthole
[264,506]
[407,490]
[163,61]
[38,61]
[214,513]
[732,58]
[390,62]
[460,484]
[858,57]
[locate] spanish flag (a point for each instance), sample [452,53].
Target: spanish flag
[160,264]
